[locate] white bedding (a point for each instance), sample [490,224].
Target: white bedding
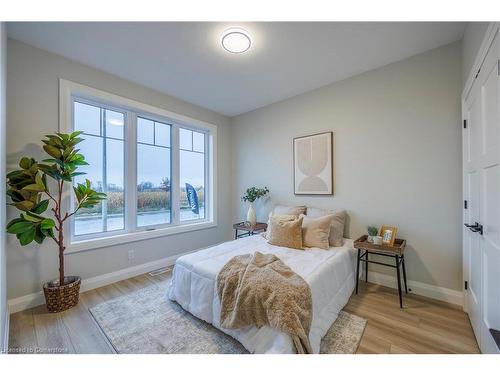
[329,273]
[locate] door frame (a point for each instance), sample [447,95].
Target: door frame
[493,27]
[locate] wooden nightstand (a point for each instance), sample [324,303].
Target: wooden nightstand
[396,252]
[249,230]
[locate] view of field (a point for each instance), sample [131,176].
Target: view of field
[153,207]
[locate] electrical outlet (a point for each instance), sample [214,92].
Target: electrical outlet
[131,255]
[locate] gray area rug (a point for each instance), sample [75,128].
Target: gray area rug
[147,322]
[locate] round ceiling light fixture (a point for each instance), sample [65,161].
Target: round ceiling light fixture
[236,40]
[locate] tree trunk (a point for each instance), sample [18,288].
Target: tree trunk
[61,254]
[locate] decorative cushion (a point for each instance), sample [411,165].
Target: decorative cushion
[286,233]
[337,225]
[316,232]
[289,210]
[277,217]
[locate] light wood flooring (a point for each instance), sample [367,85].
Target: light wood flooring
[422,326]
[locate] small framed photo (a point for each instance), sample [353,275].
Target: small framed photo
[388,234]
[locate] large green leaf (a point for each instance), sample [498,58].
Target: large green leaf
[47,224]
[19,227]
[64,136]
[34,187]
[25,163]
[39,235]
[41,207]
[32,217]
[24,205]
[51,171]
[47,232]
[75,134]
[15,195]
[27,237]
[13,221]
[53,140]
[60,162]
[52,151]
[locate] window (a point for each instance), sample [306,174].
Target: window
[103,147]
[155,167]
[153,173]
[192,174]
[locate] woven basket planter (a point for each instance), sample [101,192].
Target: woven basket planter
[60,298]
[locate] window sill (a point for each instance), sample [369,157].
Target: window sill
[95,243]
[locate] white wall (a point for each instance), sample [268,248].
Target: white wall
[397,156]
[473,36]
[3,278]
[32,102]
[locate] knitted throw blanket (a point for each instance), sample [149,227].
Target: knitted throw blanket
[259,289]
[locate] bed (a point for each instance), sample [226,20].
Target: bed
[329,273]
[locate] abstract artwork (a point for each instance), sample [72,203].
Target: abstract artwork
[313,164]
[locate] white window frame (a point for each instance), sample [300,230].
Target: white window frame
[68,91]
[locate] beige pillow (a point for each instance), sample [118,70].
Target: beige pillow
[289,210]
[337,225]
[286,233]
[278,217]
[316,232]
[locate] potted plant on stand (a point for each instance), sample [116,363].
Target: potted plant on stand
[252,194]
[372,232]
[30,193]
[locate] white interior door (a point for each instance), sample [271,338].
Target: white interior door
[489,167]
[482,191]
[472,251]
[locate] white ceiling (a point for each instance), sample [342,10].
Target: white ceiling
[186,60]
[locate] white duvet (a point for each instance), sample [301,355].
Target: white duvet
[329,273]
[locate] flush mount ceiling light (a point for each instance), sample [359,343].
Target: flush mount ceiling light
[236,40]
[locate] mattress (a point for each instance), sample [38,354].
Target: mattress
[329,273]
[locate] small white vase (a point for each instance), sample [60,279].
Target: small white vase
[370,239]
[251,216]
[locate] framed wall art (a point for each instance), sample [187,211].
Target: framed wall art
[313,164]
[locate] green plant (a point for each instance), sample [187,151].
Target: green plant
[254,193]
[28,185]
[372,231]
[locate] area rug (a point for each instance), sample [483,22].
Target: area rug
[147,322]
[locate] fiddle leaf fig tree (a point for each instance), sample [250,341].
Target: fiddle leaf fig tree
[31,194]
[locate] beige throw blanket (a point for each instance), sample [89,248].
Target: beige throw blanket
[259,289]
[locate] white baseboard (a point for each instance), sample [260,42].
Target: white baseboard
[443,294]
[36,299]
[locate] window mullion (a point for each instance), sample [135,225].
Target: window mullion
[207,192]
[131,173]
[104,203]
[175,184]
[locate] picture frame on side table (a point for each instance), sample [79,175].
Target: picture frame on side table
[388,234]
